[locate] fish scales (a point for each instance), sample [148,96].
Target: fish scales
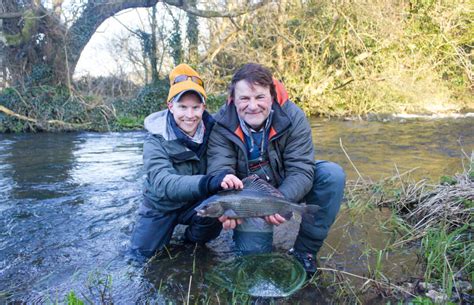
[251,206]
[258,198]
[246,203]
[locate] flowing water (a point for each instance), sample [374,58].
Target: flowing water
[68,204]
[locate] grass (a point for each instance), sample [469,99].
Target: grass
[447,254]
[398,227]
[435,218]
[72,299]
[129,123]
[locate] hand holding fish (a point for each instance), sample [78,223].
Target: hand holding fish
[229,223]
[275,219]
[256,199]
[230,182]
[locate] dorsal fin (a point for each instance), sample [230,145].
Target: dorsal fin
[255,183]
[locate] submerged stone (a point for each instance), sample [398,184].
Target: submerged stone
[260,275]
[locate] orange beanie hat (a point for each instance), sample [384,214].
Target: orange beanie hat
[185,85]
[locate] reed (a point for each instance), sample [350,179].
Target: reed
[436,217]
[447,254]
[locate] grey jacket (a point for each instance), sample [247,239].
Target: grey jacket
[173,171]
[290,149]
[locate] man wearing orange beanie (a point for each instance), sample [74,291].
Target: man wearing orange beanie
[174,158]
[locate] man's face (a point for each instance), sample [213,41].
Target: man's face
[187,113]
[253,103]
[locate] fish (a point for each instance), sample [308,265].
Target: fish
[258,198]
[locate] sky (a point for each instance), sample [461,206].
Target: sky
[99,58]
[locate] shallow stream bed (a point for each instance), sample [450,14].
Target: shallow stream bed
[68,204]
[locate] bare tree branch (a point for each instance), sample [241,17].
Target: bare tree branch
[10,15]
[65,125]
[57,7]
[209,57]
[76,37]
[212,14]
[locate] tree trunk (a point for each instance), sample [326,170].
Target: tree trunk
[3,73]
[153,51]
[280,62]
[192,34]
[48,52]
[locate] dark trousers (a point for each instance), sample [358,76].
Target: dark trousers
[327,192]
[153,229]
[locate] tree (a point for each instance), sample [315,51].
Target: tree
[43,47]
[192,34]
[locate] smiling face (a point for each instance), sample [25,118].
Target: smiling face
[253,103]
[187,112]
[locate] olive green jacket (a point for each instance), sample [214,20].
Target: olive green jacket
[173,171]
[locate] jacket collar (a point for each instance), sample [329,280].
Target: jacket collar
[229,119]
[157,124]
[178,152]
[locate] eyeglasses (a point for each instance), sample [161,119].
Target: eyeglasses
[182,78]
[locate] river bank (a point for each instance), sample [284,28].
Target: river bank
[435,220]
[13,122]
[56,109]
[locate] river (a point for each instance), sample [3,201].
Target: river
[68,204]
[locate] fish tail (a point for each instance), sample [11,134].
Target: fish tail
[311,208]
[301,209]
[310,212]
[305,209]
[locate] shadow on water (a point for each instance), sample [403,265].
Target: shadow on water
[40,165]
[68,204]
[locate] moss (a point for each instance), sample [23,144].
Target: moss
[448,180]
[129,123]
[27,31]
